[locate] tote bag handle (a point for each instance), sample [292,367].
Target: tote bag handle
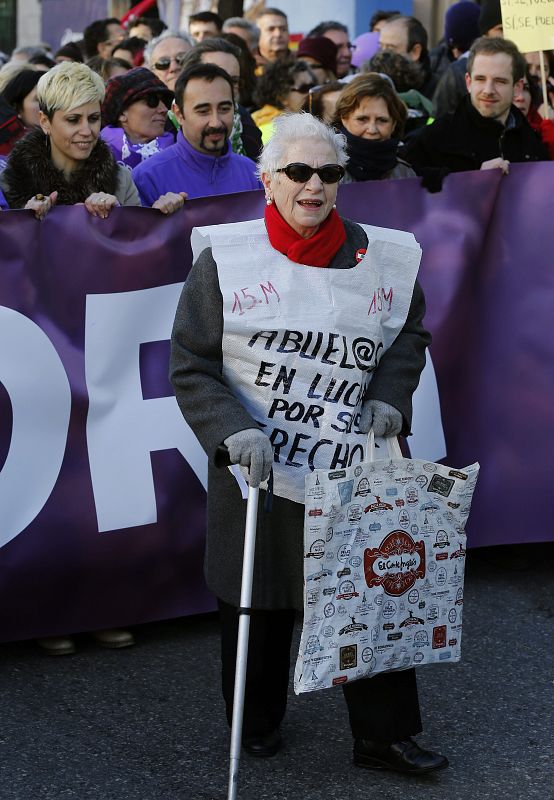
[393,447]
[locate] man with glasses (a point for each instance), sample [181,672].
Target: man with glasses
[246,138]
[165,55]
[201,162]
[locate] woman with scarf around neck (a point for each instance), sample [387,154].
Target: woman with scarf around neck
[134,113]
[65,161]
[239,358]
[372,116]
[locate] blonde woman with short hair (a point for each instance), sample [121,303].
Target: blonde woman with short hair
[65,161]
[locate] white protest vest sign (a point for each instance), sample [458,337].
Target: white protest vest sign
[300,343]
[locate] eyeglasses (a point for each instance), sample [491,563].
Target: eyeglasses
[164,63]
[304,88]
[153,100]
[301,173]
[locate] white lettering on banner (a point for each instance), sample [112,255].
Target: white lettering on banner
[40,395]
[123,428]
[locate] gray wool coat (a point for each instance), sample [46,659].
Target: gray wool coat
[213,413]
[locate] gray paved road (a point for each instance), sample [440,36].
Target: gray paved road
[146,723]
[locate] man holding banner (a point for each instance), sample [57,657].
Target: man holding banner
[486,131]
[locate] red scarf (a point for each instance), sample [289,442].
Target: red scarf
[317,251]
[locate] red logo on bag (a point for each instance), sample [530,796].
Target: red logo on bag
[396,564]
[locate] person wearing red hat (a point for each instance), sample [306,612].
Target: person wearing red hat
[134,113]
[321,54]
[338,34]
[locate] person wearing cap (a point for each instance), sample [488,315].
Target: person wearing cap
[460,31]
[490,19]
[338,34]
[68,52]
[461,28]
[134,113]
[21,94]
[201,162]
[11,130]
[320,53]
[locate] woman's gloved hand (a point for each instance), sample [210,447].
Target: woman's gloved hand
[385,420]
[252,451]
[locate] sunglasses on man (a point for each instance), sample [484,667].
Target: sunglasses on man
[164,64]
[301,173]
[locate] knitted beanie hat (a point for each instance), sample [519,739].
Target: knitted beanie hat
[320,48]
[461,24]
[490,16]
[124,90]
[20,86]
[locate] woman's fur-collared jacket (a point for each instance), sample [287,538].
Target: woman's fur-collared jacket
[30,171]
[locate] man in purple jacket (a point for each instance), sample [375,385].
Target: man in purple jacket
[201,163]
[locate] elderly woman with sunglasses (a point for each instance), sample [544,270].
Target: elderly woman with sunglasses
[265,329]
[134,113]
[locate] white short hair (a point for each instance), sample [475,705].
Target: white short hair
[290,129]
[69,85]
[167,34]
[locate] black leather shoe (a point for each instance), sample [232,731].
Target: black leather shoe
[263,746]
[405,756]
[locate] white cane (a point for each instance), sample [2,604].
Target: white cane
[242,643]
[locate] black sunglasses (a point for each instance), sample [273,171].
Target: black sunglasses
[165,63]
[153,100]
[304,88]
[301,173]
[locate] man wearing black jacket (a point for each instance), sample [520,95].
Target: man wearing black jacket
[486,131]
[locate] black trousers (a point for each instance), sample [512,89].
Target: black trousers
[384,708]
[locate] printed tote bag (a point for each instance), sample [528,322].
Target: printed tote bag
[384,560]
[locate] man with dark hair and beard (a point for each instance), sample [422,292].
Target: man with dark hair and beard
[201,162]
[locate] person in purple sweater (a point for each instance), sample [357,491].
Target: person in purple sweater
[201,162]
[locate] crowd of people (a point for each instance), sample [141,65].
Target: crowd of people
[148,116]
[203,135]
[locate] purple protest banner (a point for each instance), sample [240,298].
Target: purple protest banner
[96,296]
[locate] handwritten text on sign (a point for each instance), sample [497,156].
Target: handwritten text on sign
[529,23]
